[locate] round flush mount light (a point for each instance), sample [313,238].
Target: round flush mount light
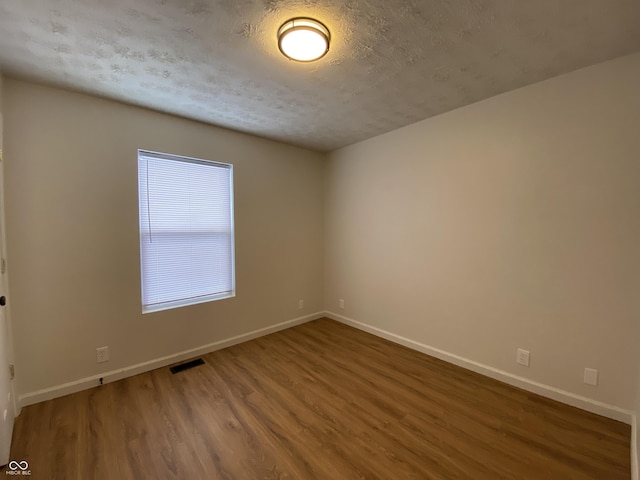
[303,39]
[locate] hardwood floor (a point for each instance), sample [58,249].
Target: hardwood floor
[318,401]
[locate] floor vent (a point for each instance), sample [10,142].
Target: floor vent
[186,366]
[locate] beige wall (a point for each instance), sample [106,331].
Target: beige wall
[72,214]
[514,222]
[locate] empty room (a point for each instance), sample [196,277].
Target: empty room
[288,239]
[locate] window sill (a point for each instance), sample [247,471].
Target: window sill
[185,303]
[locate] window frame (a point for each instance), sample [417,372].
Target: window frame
[197,299]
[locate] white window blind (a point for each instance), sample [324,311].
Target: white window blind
[186,230]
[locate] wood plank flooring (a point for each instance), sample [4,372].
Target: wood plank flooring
[318,401]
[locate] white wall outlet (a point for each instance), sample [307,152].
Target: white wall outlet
[523,357]
[591,376]
[102,354]
[300,304]
[341,303]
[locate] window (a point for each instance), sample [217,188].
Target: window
[186,230]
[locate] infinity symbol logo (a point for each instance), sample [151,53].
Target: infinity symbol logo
[13,465]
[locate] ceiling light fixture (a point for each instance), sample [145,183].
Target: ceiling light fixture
[303,39]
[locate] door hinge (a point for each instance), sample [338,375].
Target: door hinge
[3,266]
[12,371]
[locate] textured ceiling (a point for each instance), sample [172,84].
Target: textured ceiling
[391,63]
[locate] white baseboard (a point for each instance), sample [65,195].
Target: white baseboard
[113,375]
[553,393]
[635,474]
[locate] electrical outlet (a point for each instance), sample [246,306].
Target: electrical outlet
[300,304]
[523,357]
[591,376]
[102,354]
[341,303]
